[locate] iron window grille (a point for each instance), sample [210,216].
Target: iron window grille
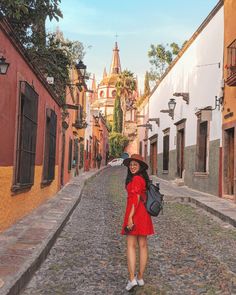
[50,147]
[26,138]
[231,64]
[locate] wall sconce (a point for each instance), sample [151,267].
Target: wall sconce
[147,125]
[185,96]
[171,105]
[218,102]
[3,66]
[157,120]
[82,68]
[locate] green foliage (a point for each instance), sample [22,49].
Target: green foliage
[53,54]
[28,18]
[125,86]
[146,85]
[117,144]
[117,116]
[160,57]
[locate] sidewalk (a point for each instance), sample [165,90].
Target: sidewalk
[25,245]
[222,208]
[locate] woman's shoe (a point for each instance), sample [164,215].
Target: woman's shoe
[139,282]
[131,285]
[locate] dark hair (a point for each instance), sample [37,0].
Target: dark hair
[141,172]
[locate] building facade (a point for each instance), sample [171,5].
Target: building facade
[185,144]
[229,110]
[30,120]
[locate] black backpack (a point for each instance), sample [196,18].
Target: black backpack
[155,200]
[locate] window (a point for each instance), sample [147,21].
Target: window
[26,141]
[166,145]
[231,64]
[202,146]
[50,147]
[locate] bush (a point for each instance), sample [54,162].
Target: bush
[117,144]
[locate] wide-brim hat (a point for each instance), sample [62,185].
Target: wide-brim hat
[138,158]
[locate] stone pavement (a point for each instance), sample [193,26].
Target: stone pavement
[190,254]
[26,244]
[221,208]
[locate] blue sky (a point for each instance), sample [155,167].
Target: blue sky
[138,24]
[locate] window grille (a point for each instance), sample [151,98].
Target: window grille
[50,146]
[166,140]
[26,137]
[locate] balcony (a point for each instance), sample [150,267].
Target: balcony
[231,65]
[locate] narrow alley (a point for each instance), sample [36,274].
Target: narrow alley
[191,253]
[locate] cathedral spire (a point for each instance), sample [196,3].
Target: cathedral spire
[115,65]
[104,73]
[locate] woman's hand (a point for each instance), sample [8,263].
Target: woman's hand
[130,222]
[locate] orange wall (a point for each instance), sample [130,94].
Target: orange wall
[230,36]
[16,206]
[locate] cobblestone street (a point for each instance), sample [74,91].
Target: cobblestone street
[192,252]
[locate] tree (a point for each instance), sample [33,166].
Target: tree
[146,85]
[125,86]
[28,18]
[117,144]
[117,116]
[160,57]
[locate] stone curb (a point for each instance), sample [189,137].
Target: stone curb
[18,282]
[198,203]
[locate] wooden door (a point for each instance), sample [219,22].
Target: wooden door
[154,158]
[230,161]
[180,152]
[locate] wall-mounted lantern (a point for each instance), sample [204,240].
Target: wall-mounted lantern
[82,68]
[3,66]
[170,111]
[185,96]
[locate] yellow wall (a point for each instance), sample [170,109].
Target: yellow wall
[230,36]
[15,206]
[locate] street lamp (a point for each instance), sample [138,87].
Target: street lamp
[3,66]
[171,106]
[82,67]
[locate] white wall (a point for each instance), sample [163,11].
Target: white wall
[197,73]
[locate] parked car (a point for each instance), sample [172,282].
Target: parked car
[116,162]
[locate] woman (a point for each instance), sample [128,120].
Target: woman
[137,222]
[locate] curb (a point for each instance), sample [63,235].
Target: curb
[189,199]
[15,285]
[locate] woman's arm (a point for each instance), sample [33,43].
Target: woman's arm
[132,211]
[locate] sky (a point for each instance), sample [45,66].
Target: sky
[138,24]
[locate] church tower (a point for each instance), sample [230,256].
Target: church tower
[106,92]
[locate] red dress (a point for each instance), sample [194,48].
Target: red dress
[141,219]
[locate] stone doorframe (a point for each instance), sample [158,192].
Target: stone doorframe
[153,140]
[226,127]
[180,125]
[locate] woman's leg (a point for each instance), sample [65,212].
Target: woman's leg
[143,255]
[131,255]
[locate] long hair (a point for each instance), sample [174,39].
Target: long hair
[141,172]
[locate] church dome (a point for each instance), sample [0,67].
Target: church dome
[109,80]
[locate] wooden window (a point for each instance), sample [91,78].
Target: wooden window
[76,151]
[50,147]
[202,146]
[231,64]
[166,140]
[70,155]
[26,138]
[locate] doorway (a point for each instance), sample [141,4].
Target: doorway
[153,158]
[180,152]
[229,162]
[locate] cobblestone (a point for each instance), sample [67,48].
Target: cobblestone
[192,253]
